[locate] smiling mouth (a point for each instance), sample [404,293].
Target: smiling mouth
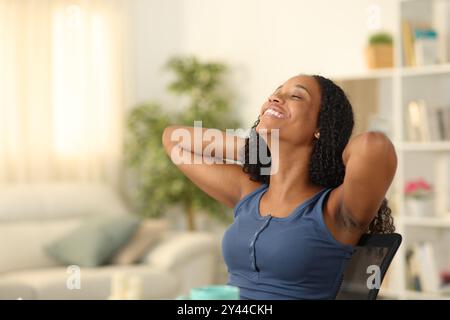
[272,113]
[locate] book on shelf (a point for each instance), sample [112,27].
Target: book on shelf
[408,44]
[423,273]
[443,115]
[420,44]
[426,122]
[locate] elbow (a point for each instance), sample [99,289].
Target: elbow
[378,146]
[375,138]
[369,144]
[166,137]
[379,143]
[165,134]
[373,148]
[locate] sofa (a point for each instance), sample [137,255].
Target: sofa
[31,216]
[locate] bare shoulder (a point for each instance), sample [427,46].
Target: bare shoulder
[249,186]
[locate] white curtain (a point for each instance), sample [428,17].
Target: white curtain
[61,90]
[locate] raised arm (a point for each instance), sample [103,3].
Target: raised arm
[226,146]
[201,154]
[370,164]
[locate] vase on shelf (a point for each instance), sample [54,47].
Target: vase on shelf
[379,56]
[379,52]
[419,207]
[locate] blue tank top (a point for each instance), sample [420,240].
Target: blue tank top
[295,257]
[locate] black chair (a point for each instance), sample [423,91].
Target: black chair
[372,250]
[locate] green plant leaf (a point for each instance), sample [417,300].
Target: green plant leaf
[157,183]
[380,38]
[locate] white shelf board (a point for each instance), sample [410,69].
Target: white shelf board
[434,222]
[390,72]
[416,295]
[363,75]
[425,70]
[413,0]
[386,293]
[410,295]
[424,146]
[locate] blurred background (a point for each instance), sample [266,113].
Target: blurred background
[90,206]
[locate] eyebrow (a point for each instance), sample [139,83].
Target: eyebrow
[296,86]
[302,87]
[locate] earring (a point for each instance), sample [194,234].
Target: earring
[317,135]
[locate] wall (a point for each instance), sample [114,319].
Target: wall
[155,34]
[263,41]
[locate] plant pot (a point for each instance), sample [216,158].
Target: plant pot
[380,56]
[419,207]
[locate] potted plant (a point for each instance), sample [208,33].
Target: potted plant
[156,183]
[379,52]
[419,197]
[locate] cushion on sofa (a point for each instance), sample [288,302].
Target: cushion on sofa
[146,235]
[94,242]
[174,251]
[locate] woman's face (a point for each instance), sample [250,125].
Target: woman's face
[293,108]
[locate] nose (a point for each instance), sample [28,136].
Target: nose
[275,97]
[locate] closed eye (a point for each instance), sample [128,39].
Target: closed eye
[296,97]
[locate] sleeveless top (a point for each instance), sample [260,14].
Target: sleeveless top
[294,257]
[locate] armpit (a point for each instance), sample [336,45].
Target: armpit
[346,220]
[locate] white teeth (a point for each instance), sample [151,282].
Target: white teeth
[274,113]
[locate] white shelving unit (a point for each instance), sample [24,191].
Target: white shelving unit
[431,222]
[388,91]
[436,146]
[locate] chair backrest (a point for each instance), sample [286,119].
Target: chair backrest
[373,254]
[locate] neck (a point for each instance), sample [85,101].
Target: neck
[290,172]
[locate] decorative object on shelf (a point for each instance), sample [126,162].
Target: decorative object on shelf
[155,183]
[423,271]
[425,46]
[379,52]
[419,198]
[420,44]
[426,122]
